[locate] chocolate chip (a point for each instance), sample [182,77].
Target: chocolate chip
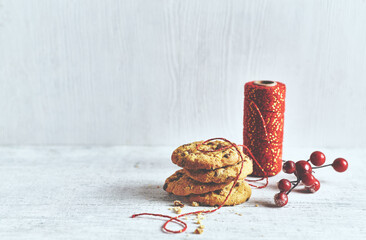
[226,155]
[219,146]
[165,186]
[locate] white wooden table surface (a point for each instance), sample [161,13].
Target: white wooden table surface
[90,193]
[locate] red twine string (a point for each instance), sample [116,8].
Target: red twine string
[182,223]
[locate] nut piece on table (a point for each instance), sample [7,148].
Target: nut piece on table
[198,230]
[178,203]
[177,210]
[195,204]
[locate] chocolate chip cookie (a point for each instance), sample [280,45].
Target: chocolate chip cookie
[187,156]
[224,174]
[182,185]
[240,194]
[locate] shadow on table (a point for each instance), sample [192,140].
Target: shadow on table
[147,192]
[155,193]
[269,203]
[263,203]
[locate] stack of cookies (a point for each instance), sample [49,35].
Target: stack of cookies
[207,177]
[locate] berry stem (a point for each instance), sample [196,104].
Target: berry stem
[296,183]
[322,166]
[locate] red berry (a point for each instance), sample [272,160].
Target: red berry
[308,179]
[313,188]
[281,199]
[284,185]
[289,167]
[303,167]
[340,165]
[317,158]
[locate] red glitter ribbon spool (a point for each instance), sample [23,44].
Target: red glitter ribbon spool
[264,108]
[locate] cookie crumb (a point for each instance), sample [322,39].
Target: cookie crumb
[177,210]
[195,204]
[170,208]
[178,203]
[157,186]
[198,230]
[199,218]
[257,205]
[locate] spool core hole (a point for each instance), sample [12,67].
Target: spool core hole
[265,83]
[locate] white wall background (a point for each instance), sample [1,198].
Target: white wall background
[168,72]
